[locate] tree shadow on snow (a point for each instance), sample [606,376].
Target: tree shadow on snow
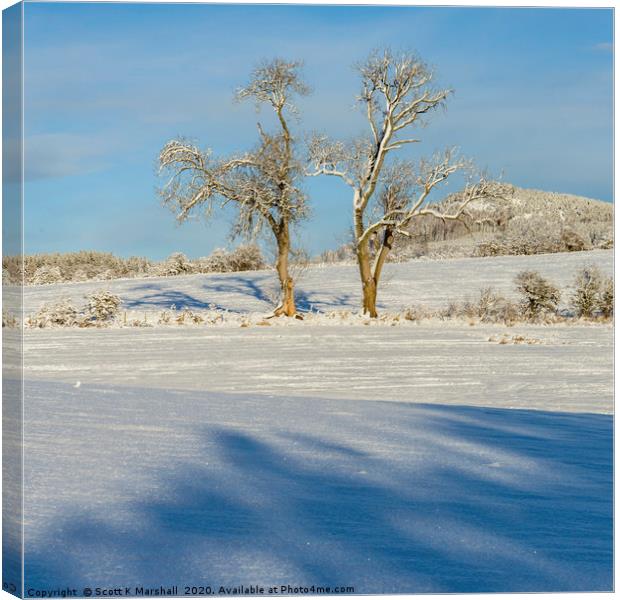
[231,292]
[417,498]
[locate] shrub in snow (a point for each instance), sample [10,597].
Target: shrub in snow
[139,323]
[539,296]
[12,269]
[246,257]
[606,299]
[344,253]
[76,266]
[8,319]
[46,275]
[490,248]
[164,318]
[572,241]
[214,317]
[587,290]
[80,275]
[188,317]
[107,275]
[494,308]
[453,310]
[60,314]
[103,306]
[524,239]
[216,262]
[416,313]
[175,264]
[592,295]
[135,266]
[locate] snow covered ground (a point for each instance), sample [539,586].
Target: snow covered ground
[423,457]
[433,283]
[130,486]
[570,369]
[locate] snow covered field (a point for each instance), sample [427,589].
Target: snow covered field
[570,370]
[433,283]
[128,486]
[423,457]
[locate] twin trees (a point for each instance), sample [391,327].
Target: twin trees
[388,193]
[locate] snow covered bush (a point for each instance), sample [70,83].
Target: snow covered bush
[572,241]
[175,264]
[592,295]
[135,266]
[9,319]
[490,248]
[75,266]
[59,314]
[216,262]
[103,306]
[247,257]
[139,323]
[344,253]
[164,318]
[539,296]
[188,317]
[416,313]
[12,269]
[585,298]
[524,239]
[606,298]
[494,308]
[80,275]
[44,275]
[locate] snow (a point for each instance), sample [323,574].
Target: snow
[443,363]
[419,458]
[432,283]
[133,486]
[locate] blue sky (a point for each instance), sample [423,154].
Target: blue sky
[106,85]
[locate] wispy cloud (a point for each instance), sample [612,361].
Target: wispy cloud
[63,154]
[604,46]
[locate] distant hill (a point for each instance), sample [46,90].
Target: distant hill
[531,222]
[544,208]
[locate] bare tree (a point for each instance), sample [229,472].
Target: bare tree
[262,184]
[397,91]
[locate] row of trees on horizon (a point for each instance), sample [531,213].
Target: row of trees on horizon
[388,190]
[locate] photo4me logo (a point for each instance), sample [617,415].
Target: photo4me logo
[284,590]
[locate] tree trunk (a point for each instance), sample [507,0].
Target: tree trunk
[369,286]
[371,276]
[370,298]
[382,254]
[287,285]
